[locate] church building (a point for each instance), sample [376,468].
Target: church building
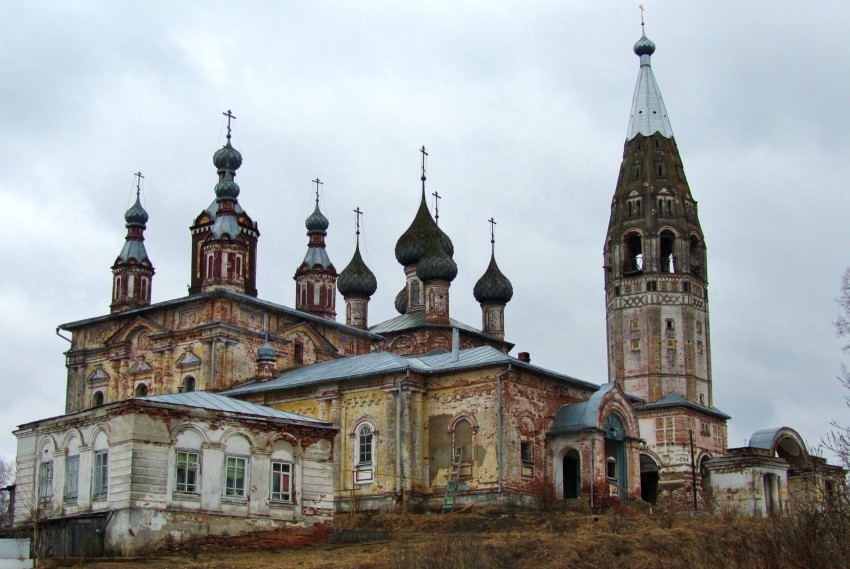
[220,412]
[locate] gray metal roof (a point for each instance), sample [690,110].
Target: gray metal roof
[416,319]
[764,438]
[649,115]
[678,400]
[225,293]
[216,402]
[580,416]
[380,363]
[317,256]
[133,249]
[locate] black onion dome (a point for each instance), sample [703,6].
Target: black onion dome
[136,215]
[317,222]
[413,243]
[436,264]
[357,278]
[266,352]
[227,158]
[493,286]
[401,301]
[227,189]
[644,46]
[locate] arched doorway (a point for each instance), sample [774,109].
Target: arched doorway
[615,454]
[571,474]
[648,479]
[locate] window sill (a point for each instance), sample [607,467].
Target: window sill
[281,504]
[235,500]
[187,496]
[71,501]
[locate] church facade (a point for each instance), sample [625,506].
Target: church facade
[220,412]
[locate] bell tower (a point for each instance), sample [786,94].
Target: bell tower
[656,298]
[656,279]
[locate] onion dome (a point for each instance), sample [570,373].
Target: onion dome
[413,243]
[436,264]
[317,222]
[136,215]
[266,352]
[227,189]
[227,158]
[493,286]
[401,301]
[644,46]
[357,278]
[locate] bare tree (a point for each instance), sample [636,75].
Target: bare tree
[7,476]
[838,441]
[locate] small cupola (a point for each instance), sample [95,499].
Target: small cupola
[493,291]
[316,277]
[132,272]
[357,283]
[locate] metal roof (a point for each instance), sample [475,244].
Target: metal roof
[380,363]
[678,400]
[133,249]
[649,115]
[317,256]
[225,293]
[416,319]
[216,402]
[580,416]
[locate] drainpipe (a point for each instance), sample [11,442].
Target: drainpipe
[455,345]
[500,451]
[61,336]
[102,528]
[212,367]
[398,465]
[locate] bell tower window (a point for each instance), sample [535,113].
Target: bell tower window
[633,263]
[668,260]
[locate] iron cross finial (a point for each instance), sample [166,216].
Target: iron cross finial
[318,182]
[424,154]
[139,177]
[230,116]
[437,198]
[357,214]
[492,223]
[641,14]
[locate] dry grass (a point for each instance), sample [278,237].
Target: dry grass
[544,540]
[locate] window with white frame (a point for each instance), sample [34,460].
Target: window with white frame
[364,453]
[236,473]
[281,480]
[45,483]
[72,477]
[187,470]
[100,474]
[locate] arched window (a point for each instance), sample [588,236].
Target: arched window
[188,384]
[633,262]
[364,444]
[667,260]
[97,399]
[695,247]
[141,390]
[364,453]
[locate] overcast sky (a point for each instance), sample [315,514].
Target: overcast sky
[523,107]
